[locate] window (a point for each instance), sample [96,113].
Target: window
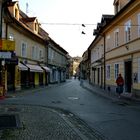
[139,25]
[116,68]
[37,53]
[35,26]
[108,72]
[11,37]
[41,54]
[117,7]
[24,49]
[34,52]
[128,31]
[108,43]
[49,53]
[116,38]
[16,13]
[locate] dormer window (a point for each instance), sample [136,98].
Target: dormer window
[31,23]
[16,13]
[14,9]
[117,6]
[35,26]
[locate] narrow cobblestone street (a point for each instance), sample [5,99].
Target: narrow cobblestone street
[69,111]
[43,123]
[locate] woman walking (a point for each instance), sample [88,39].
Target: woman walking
[120,84]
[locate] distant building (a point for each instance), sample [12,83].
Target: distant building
[76,62]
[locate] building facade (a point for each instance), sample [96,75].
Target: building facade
[117,46]
[57,62]
[27,52]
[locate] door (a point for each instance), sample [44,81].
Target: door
[10,77]
[128,76]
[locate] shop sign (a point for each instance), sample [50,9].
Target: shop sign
[12,61]
[7,45]
[5,55]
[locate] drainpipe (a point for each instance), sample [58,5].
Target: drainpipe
[104,61]
[1,11]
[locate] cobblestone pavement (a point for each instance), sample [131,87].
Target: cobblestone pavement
[43,123]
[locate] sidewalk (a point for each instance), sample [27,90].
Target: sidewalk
[10,94]
[108,94]
[37,123]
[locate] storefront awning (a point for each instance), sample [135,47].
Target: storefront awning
[34,68]
[46,68]
[22,67]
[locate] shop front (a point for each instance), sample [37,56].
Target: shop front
[35,75]
[8,61]
[47,75]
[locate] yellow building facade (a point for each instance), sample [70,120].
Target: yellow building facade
[121,37]
[27,65]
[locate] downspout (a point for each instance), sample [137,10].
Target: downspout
[1,14]
[104,61]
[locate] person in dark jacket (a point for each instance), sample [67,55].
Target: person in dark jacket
[120,84]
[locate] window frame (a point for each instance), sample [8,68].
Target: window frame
[41,56]
[116,38]
[34,52]
[116,72]
[127,30]
[24,54]
[11,36]
[108,72]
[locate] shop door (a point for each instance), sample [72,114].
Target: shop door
[10,77]
[128,76]
[40,79]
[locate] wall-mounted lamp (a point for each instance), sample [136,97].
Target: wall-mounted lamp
[127,47]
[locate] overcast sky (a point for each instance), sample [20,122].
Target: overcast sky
[63,20]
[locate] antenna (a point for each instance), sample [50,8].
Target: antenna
[27,8]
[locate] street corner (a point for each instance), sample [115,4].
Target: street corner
[36,122]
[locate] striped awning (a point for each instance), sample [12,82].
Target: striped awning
[34,68]
[22,67]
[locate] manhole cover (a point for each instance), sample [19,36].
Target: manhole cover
[73,98]
[9,121]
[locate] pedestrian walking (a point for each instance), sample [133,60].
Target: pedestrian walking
[120,84]
[81,81]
